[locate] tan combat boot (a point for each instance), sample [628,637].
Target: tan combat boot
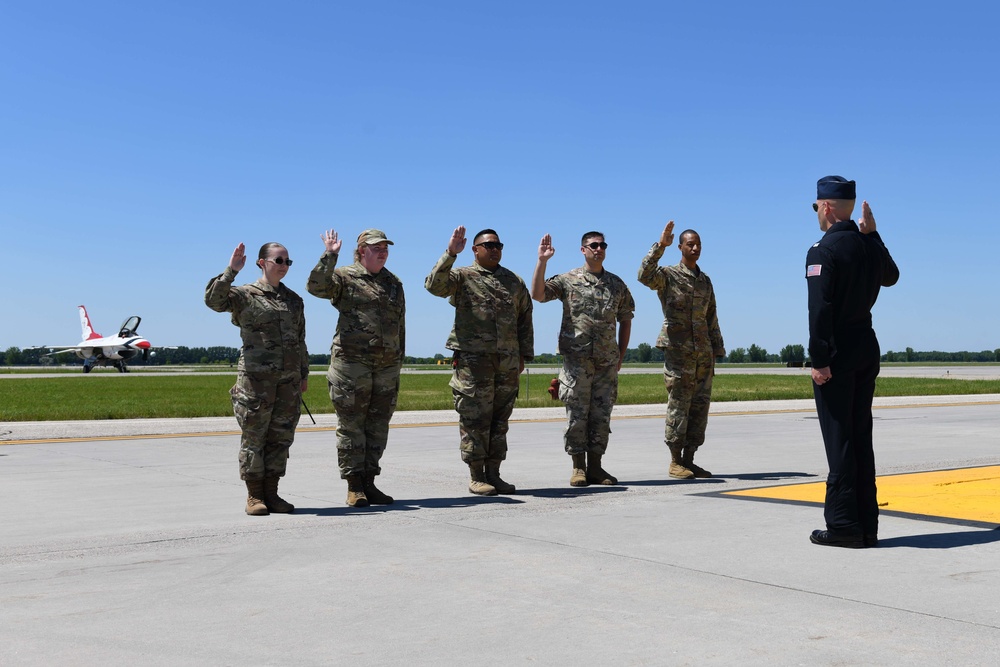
[595,473]
[356,492]
[375,497]
[478,484]
[255,495]
[493,478]
[677,468]
[687,458]
[579,476]
[274,502]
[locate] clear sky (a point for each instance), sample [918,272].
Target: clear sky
[140,142]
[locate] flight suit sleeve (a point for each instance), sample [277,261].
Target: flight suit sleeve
[890,272]
[820,281]
[650,274]
[220,295]
[323,281]
[442,281]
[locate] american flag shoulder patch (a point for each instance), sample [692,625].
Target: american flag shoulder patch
[813,270]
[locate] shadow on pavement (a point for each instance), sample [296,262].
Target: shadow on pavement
[671,482]
[408,505]
[766,476]
[942,540]
[573,491]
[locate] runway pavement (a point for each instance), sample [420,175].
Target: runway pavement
[132,548]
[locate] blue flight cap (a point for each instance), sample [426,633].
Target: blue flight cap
[835,187]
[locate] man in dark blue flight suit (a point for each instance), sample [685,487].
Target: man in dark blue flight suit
[844,272]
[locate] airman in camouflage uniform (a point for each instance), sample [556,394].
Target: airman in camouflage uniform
[492,339]
[365,358]
[593,301]
[690,340]
[272,373]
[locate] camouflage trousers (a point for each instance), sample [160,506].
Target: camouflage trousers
[689,394]
[484,387]
[267,409]
[364,393]
[589,391]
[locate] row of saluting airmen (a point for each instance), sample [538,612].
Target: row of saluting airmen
[492,339]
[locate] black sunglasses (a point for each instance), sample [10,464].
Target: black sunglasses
[815,207]
[278,260]
[491,245]
[595,245]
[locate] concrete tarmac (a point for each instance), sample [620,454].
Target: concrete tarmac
[133,548]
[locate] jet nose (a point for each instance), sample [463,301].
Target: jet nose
[142,344]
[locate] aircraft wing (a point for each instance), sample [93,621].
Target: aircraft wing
[58,349]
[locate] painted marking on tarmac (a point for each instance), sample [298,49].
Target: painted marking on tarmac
[541,420]
[968,496]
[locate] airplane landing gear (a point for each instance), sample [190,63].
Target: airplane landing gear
[122,368]
[86,368]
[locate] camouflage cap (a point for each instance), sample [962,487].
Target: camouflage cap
[373,236]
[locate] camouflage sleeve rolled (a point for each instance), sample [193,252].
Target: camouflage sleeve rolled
[554,288]
[442,281]
[323,282]
[525,329]
[626,307]
[650,274]
[218,293]
[714,332]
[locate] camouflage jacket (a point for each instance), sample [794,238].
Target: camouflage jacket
[690,322]
[372,308]
[272,323]
[592,304]
[492,308]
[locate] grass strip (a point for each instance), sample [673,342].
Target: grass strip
[123,396]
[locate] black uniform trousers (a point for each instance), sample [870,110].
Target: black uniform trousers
[844,406]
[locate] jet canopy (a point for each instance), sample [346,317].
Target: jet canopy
[129,326]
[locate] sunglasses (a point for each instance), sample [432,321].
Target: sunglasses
[815,207]
[278,260]
[595,245]
[491,245]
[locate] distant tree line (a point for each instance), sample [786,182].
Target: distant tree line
[644,353]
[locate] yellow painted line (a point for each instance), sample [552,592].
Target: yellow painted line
[965,494]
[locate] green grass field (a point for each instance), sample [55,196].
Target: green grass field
[124,397]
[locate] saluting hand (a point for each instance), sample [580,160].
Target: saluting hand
[457,242]
[867,223]
[667,237]
[331,241]
[545,249]
[239,258]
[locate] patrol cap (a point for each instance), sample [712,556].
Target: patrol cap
[835,187]
[373,236]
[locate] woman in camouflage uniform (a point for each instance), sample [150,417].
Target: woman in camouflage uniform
[365,358]
[273,370]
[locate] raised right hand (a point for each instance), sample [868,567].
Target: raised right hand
[457,242]
[331,241]
[667,237]
[239,258]
[545,249]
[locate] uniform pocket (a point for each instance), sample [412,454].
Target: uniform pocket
[342,391]
[245,406]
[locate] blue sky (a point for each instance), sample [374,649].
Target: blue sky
[140,142]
